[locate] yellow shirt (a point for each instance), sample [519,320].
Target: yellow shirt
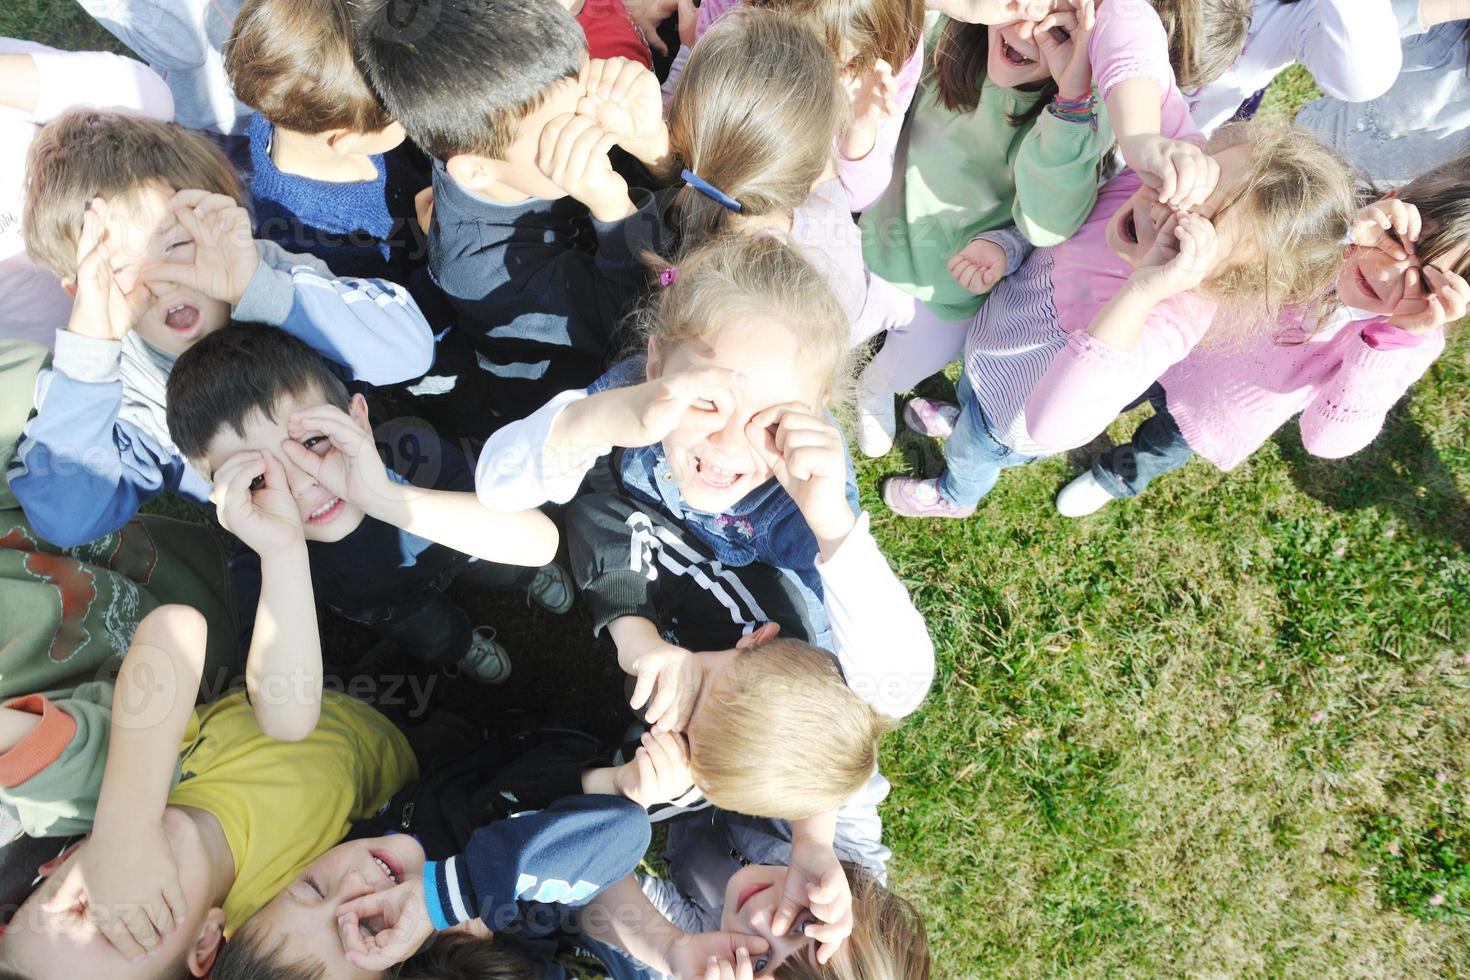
[282,804]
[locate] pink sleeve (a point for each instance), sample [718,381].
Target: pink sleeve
[100,80]
[1348,412]
[1089,381]
[1129,42]
[864,180]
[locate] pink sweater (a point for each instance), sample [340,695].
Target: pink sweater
[1228,402]
[863,179]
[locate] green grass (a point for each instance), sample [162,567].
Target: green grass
[1219,730]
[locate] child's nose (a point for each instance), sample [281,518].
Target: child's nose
[298,480]
[352,885]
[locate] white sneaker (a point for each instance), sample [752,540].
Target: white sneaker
[1083,496]
[487,661]
[876,424]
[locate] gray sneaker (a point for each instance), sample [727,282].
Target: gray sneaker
[552,589]
[487,661]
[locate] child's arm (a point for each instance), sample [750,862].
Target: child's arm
[1432,13]
[353,470]
[667,677]
[866,150]
[125,876]
[989,258]
[622,916]
[658,772]
[816,881]
[1352,48]
[371,327]
[41,85]
[283,670]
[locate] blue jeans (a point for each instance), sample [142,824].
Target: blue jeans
[973,456]
[1157,447]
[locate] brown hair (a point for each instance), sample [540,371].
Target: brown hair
[764,146]
[860,32]
[958,71]
[744,275]
[87,153]
[888,941]
[248,955]
[1205,37]
[773,697]
[1443,198]
[293,62]
[1298,201]
[458,956]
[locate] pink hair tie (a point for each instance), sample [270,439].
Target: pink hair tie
[668,277]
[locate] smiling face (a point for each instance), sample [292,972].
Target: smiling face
[1376,282]
[1134,227]
[142,233]
[715,471]
[324,515]
[752,896]
[1014,58]
[302,918]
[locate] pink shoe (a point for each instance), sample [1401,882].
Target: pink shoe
[912,497]
[930,418]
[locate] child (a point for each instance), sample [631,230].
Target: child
[1342,376]
[298,479]
[611,31]
[326,180]
[197,820]
[37,84]
[143,222]
[1011,134]
[1345,44]
[1070,339]
[523,188]
[1424,119]
[1205,38]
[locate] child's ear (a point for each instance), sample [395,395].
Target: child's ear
[653,364]
[764,634]
[357,408]
[476,173]
[207,943]
[69,284]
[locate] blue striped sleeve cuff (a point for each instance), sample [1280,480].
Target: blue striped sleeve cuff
[448,893]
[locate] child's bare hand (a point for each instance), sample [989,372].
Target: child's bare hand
[1181,257]
[624,99]
[718,956]
[688,22]
[102,310]
[127,887]
[815,882]
[224,257]
[423,208]
[700,401]
[573,156]
[1390,225]
[1443,297]
[255,504]
[874,99]
[1183,174]
[659,772]
[807,457]
[668,679]
[648,15]
[1062,37]
[979,266]
[385,928]
[329,446]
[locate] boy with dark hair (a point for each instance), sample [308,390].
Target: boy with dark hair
[329,175]
[534,237]
[298,479]
[143,222]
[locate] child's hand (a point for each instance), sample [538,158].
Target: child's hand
[624,99]
[700,401]
[127,886]
[224,254]
[573,156]
[1067,60]
[255,504]
[815,882]
[979,266]
[1446,300]
[350,466]
[670,676]
[385,928]
[1390,225]
[874,98]
[807,457]
[102,310]
[648,15]
[423,208]
[1181,257]
[659,772]
[718,956]
[1183,174]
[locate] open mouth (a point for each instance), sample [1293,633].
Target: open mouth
[326,513]
[388,866]
[750,892]
[1013,57]
[715,477]
[1129,228]
[181,318]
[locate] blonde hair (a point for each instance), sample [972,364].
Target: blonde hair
[771,699]
[87,153]
[860,32]
[763,145]
[888,941]
[1206,37]
[1296,201]
[735,276]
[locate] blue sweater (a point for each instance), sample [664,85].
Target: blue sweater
[359,228]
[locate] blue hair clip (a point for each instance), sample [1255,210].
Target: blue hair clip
[709,190]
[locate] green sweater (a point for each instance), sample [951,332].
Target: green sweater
[957,175]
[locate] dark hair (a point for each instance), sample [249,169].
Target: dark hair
[960,56]
[293,62]
[1442,196]
[238,371]
[459,956]
[245,956]
[460,74]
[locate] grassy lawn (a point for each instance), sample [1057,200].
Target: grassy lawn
[1218,730]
